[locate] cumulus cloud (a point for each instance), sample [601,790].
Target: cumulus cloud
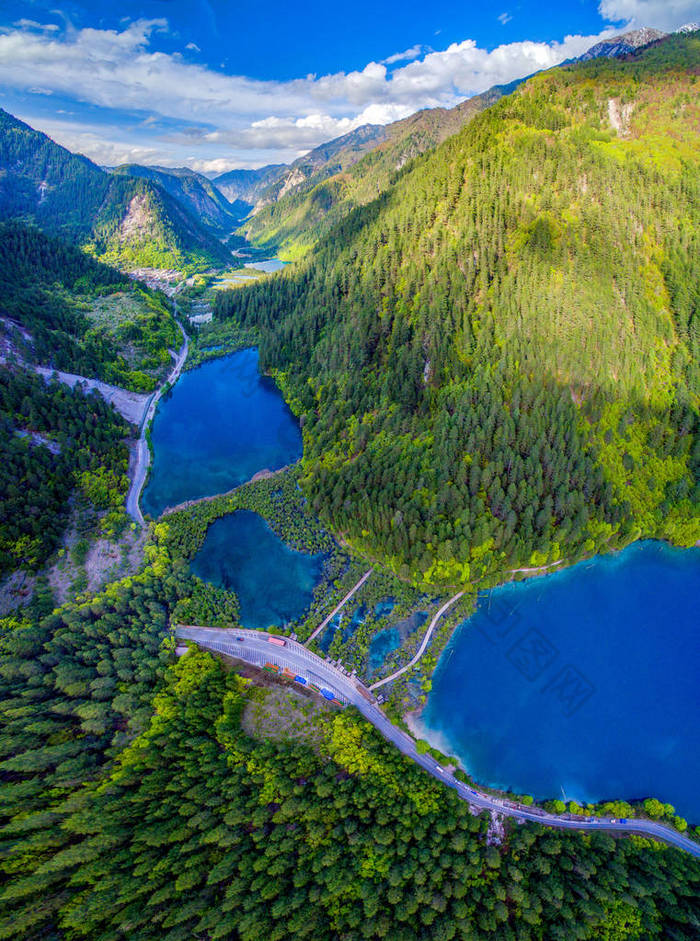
[661,14]
[227,117]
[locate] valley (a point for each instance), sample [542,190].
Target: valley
[414,418]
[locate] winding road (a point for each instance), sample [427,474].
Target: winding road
[141,451]
[254,647]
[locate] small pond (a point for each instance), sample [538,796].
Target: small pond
[274,583]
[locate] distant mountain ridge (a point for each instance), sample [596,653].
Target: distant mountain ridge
[247,185]
[337,177]
[120,219]
[623,44]
[194,191]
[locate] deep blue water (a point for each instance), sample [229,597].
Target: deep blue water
[586,681]
[221,424]
[274,583]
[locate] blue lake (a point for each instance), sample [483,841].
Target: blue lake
[274,583]
[269,266]
[585,682]
[221,424]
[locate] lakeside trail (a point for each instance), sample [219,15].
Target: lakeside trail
[142,453]
[421,650]
[254,647]
[537,568]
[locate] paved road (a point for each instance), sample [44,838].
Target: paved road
[142,453]
[421,649]
[340,605]
[253,647]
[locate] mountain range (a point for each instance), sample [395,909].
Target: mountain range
[122,219]
[497,361]
[136,216]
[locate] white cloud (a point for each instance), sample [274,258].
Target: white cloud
[406,56]
[32,24]
[504,18]
[661,14]
[96,144]
[230,117]
[193,47]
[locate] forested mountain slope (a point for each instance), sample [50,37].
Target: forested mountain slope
[194,192]
[247,185]
[498,361]
[126,221]
[61,308]
[146,803]
[312,202]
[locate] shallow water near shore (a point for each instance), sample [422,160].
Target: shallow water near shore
[583,683]
[274,583]
[222,423]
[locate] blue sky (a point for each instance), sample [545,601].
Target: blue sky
[214,84]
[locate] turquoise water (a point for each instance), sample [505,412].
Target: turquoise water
[381,645]
[269,266]
[274,583]
[221,424]
[384,607]
[391,638]
[584,682]
[349,626]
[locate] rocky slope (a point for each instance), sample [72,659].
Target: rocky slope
[126,221]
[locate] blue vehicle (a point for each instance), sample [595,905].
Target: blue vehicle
[327,694]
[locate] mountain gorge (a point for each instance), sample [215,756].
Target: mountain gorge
[195,192]
[497,360]
[122,220]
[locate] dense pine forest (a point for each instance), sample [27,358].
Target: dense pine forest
[61,308]
[295,221]
[140,801]
[56,442]
[496,362]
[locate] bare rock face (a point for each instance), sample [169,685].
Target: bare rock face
[619,116]
[137,223]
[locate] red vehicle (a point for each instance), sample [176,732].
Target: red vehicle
[277,641]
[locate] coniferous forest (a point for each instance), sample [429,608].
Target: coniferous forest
[496,365]
[497,361]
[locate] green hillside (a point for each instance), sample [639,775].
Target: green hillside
[497,361]
[122,220]
[61,308]
[349,177]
